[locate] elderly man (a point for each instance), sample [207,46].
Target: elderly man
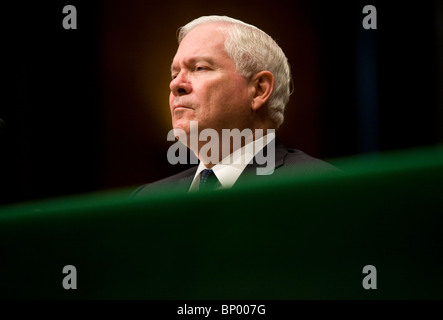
[232,80]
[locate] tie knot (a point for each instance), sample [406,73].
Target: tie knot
[208,180]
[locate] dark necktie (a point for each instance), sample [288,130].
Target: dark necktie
[208,180]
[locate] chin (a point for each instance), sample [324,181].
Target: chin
[180,127]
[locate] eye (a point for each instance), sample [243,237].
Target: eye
[200,68]
[173,76]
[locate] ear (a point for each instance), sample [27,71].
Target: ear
[263,86]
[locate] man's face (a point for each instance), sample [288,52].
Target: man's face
[205,85]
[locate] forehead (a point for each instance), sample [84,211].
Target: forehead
[204,40]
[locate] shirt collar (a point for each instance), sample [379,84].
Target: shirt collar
[229,172]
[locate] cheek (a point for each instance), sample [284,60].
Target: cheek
[236,96]
[221,98]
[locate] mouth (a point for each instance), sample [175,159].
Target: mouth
[179,107]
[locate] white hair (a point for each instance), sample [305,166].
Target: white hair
[252,51]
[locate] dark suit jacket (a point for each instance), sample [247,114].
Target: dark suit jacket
[283,158]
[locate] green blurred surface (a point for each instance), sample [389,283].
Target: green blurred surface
[290,237]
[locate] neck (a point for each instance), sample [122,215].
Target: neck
[214,151]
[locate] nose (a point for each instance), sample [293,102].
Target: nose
[180,85]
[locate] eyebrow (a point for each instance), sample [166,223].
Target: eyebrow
[194,59]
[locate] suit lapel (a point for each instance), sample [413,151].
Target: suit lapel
[280,155]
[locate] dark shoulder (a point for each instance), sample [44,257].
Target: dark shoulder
[290,161]
[305,162]
[295,157]
[182,179]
